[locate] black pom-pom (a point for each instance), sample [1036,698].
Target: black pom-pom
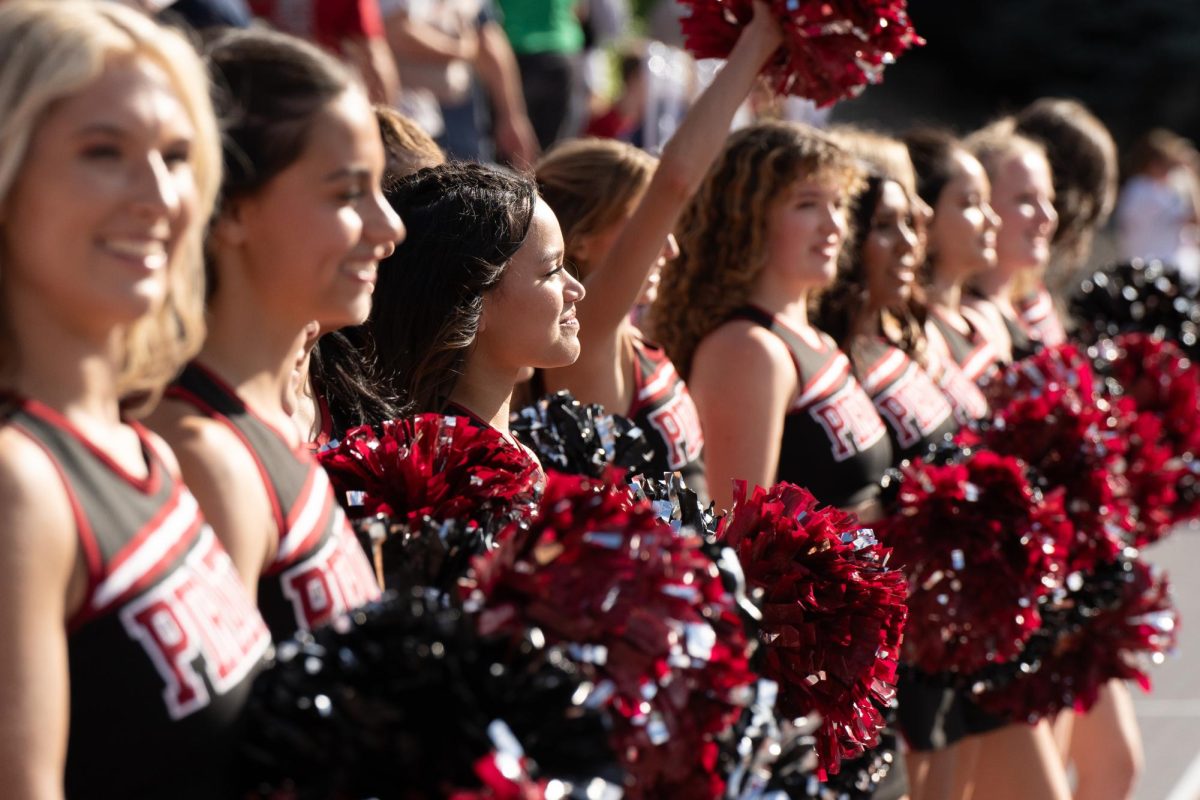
[579,439]
[1138,297]
[405,699]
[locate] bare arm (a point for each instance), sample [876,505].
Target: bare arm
[614,288]
[42,582]
[417,41]
[497,68]
[223,476]
[742,381]
[373,59]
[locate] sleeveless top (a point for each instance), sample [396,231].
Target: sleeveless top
[972,352]
[915,410]
[320,571]
[664,411]
[1040,320]
[834,443]
[964,394]
[163,649]
[1021,345]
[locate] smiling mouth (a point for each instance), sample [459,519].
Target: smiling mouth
[147,252]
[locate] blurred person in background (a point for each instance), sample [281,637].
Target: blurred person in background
[1158,213]
[547,37]
[460,78]
[351,29]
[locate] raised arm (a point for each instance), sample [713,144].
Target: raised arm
[42,582]
[742,381]
[613,288]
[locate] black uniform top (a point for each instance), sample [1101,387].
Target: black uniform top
[1022,345]
[916,411]
[834,443]
[162,652]
[320,571]
[664,411]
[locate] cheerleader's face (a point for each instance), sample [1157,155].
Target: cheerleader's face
[308,244]
[1023,197]
[962,234]
[529,320]
[103,200]
[805,231]
[889,249]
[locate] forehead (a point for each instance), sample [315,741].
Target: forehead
[892,196]
[344,127]
[966,171]
[131,91]
[1025,167]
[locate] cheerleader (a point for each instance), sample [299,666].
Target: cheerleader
[617,206]
[129,642]
[960,242]
[1023,199]
[473,298]
[1104,744]
[776,397]
[301,227]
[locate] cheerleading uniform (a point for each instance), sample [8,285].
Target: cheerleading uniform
[319,571]
[972,352]
[915,409]
[964,394]
[834,443]
[1040,320]
[167,639]
[664,411]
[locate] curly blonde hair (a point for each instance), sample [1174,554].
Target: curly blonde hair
[723,231]
[590,184]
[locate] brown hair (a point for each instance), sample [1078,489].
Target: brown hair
[590,184]
[406,146]
[1083,160]
[723,230]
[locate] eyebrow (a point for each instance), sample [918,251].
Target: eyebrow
[347,172]
[553,255]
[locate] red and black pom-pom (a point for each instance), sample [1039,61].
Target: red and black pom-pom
[434,466]
[981,548]
[645,609]
[1162,385]
[833,612]
[1114,623]
[831,49]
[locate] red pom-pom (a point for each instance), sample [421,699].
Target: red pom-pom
[831,49]
[1120,621]
[1163,386]
[433,466]
[980,548]
[1077,443]
[1059,368]
[646,608]
[833,613]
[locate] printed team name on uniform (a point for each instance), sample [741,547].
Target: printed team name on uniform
[839,405]
[200,614]
[908,399]
[334,580]
[663,403]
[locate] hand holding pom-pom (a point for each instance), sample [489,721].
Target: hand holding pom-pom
[832,612]
[980,547]
[831,49]
[433,466]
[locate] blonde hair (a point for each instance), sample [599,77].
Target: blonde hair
[48,52]
[406,145]
[723,231]
[999,141]
[591,183]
